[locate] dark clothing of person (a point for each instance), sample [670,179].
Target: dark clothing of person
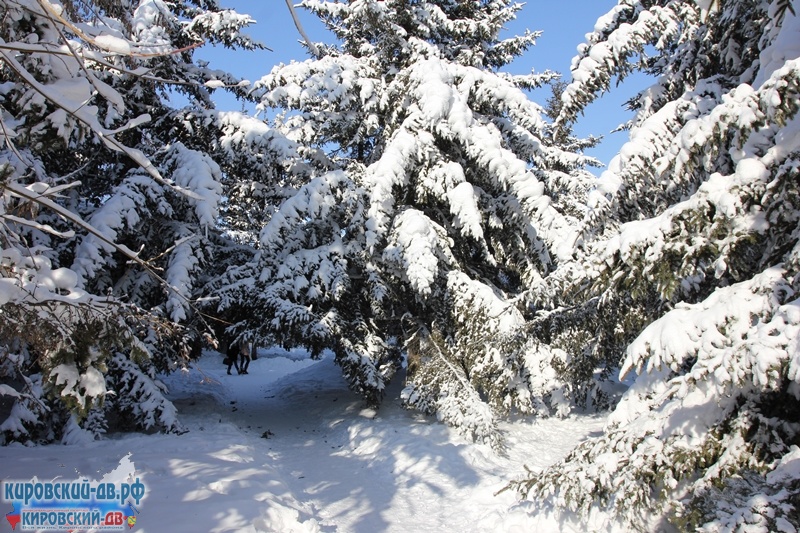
[232,357]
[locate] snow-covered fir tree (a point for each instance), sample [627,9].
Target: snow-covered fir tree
[691,259]
[436,200]
[109,206]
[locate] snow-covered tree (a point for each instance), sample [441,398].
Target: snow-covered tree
[691,249]
[434,203]
[108,206]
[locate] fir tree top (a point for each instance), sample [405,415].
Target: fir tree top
[399,32]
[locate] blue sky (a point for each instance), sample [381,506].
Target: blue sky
[564,23]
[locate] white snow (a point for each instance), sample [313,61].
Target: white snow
[328,463]
[113,44]
[464,207]
[413,246]
[785,46]
[788,468]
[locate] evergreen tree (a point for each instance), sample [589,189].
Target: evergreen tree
[436,199]
[691,257]
[107,222]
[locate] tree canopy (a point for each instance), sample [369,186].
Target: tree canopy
[693,228]
[435,204]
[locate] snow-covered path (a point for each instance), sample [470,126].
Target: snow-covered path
[363,471]
[288,448]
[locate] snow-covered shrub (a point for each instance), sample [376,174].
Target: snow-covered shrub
[708,422]
[139,397]
[30,419]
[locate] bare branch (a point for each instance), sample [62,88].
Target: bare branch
[299,26]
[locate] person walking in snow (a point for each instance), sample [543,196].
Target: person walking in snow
[232,357]
[244,356]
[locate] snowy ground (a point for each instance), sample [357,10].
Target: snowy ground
[288,448]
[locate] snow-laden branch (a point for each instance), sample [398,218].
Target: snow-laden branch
[111,44]
[80,113]
[41,199]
